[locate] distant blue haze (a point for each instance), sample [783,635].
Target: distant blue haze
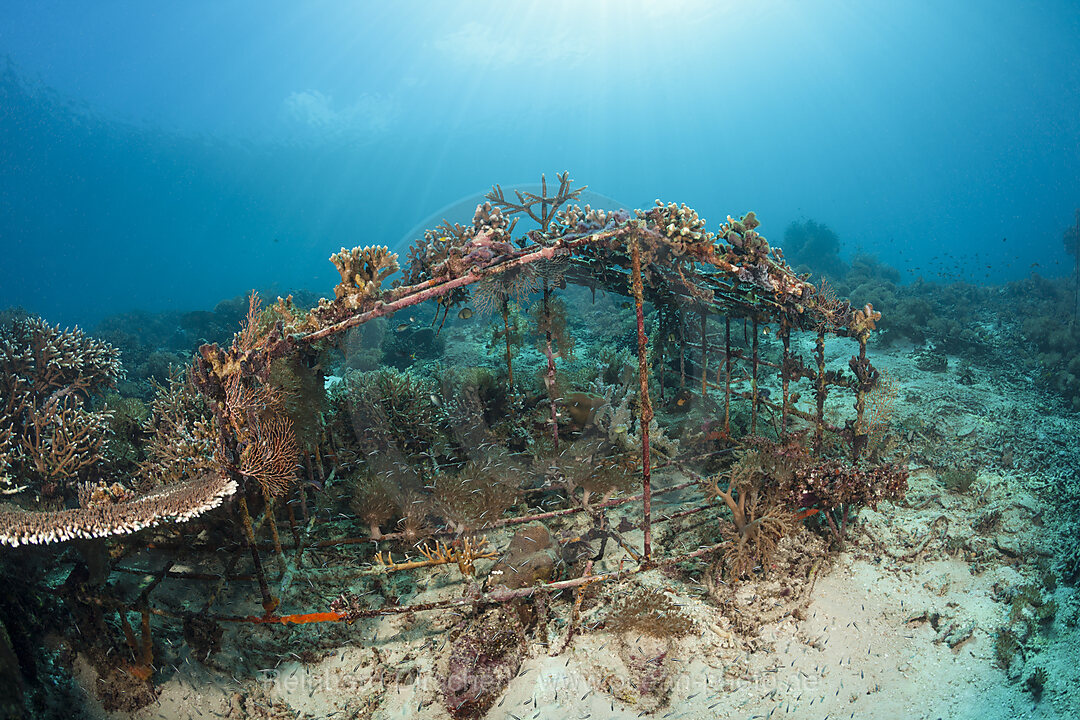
[169,155]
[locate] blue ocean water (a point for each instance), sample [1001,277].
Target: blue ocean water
[166,156]
[159,160]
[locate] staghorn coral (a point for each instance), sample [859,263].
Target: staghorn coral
[182,434]
[49,359]
[114,510]
[463,552]
[528,201]
[49,434]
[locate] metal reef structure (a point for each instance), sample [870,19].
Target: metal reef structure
[705,288]
[664,256]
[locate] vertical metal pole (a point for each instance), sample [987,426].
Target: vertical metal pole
[861,431]
[819,354]
[727,375]
[682,355]
[753,379]
[646,413]
[785,377]
[704,355]
[550,382]
[269,602]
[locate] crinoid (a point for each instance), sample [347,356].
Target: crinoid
[494,293]
[833,312]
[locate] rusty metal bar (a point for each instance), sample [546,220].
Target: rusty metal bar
[819,354]
[704,353]
[646,412]
[753,380]
[727,375]
[785,377]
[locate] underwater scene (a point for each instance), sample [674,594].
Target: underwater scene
[687,359]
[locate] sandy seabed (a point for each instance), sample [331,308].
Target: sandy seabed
[903,623]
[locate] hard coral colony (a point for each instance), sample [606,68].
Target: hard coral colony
[367,485]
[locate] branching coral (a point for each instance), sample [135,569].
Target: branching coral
[684,231]
[362,271]
[449,251]
[48,432]
[463,552]
[414,445]
[182,435]
[528,202]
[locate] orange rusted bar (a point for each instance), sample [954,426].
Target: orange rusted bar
[295,619]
